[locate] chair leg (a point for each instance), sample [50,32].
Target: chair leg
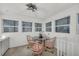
[28,46]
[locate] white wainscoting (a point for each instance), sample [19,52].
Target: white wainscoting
[67,46]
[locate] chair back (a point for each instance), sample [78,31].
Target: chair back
[29,37]
[30,40]
[37,48]
[50,43]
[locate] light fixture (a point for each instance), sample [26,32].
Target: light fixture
[31,6]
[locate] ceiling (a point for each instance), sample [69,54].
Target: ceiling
[45,10]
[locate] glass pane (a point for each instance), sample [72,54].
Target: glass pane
[63,21]
[68,20]
[10,23]
[38,25]
[48,24]
[48,29]
[15,29]
[27,24]
[6,29]
[11,29]
[64,29]
[27,29]
[38,29]
[15,23]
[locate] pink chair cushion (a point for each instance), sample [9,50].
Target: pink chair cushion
[37,48]
[49,43]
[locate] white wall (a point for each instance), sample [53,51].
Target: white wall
[73,35]
[19,38]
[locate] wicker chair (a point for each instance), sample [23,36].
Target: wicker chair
[50,45]
[30,41]
[37,49]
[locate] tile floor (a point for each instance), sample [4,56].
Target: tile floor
[24,51]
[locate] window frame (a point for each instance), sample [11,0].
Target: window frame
[38,27]
[49,26]
[9,26]
[26,27]
[63,25]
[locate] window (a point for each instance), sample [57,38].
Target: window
[27,26]
[62,25]
[10,25]
[49,27]
[38,27]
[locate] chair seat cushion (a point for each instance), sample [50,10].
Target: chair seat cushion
[37,47]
